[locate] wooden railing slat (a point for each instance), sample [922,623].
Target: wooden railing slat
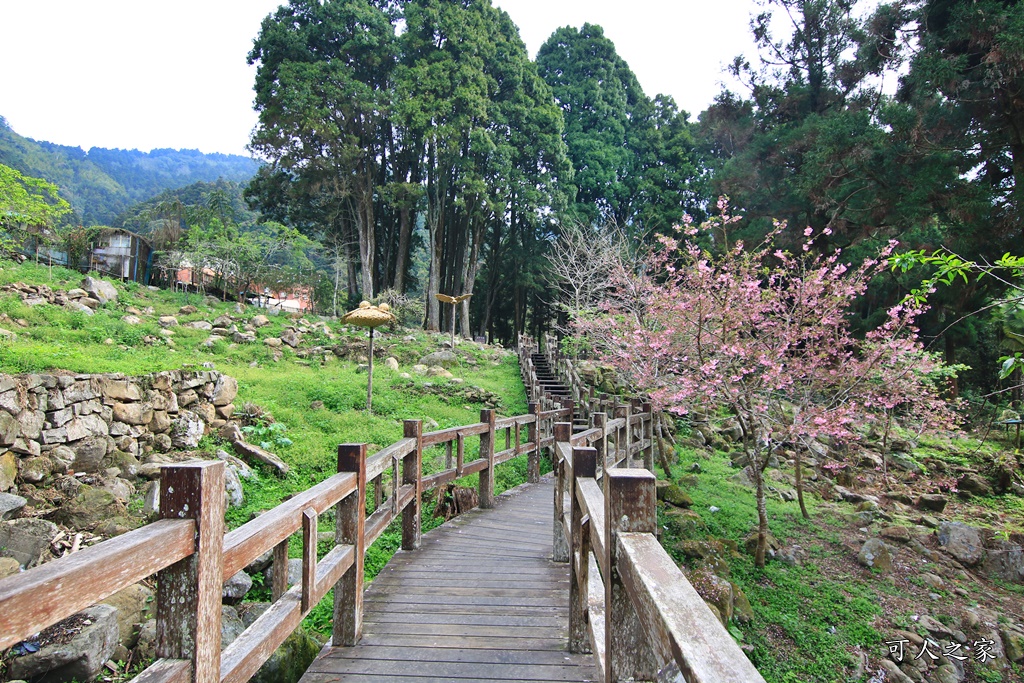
[166,671]
[247,653]
[380,461]
[676,618]
[252,539]
[32,601]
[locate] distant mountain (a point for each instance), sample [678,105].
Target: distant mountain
[103,183]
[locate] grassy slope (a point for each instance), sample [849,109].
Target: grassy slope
[56,338]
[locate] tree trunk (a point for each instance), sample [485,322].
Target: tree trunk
[800,483]
[404,236]
[762,514]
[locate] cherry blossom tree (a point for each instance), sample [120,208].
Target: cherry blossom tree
[765,335]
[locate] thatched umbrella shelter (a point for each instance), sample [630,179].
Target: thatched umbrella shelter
[372,317]
[454,301]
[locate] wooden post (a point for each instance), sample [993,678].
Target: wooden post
[601,445]
[412,474]
[622,443]
[487,416]
[369,378]
[350,527]
[629,506]
[279,584]
[533,436]
[189,592]
[560,544]
[309,528]
[584,464]
[648,436]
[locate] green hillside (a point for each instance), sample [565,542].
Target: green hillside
[100,184]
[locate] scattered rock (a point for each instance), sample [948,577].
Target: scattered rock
[444,358]
[135,606]
[168,321]
[236,587]
[391,363]
[10,505]
[963,542]
[875,554]
[900,534]
[94,635]
[260,321]
[935,502]
[27,540]
[100,290]
[233,492]
[8,567]
[1004,560]
[187,430]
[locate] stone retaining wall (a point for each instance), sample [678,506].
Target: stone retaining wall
[50,424]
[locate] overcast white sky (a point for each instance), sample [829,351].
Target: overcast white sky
[139,74]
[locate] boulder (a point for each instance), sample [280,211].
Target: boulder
[8,469]
[900,534]
[444,358]
[392,363]
[8,567]
[875,554]
[236,587]
[234,495]
[243,337]
[27,540]
[36,469]
[974,484]
[81,658]
[1013,644]
[294,572]
[248,450]
[168,321]
[260,321]
[224,391]
[963,542]
[272,342]
[131,320]
[673,495]
[89,453]
[230,625]
[10,428]
[935,502]
[291,338]
[133,413]
[91,506]
[120,390]
[135,606]
[1004,560]
[100,290]
[187,430]
[10,505]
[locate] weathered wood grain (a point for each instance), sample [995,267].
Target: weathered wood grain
[31,602]
[675,618]
[166,671]
[249,541]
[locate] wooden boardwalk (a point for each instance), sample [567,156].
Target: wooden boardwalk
[481,600]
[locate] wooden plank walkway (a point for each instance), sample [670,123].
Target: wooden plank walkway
[480,601]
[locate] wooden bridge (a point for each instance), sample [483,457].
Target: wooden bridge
[574,589]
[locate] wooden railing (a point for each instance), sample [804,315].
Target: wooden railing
[192,557]
[629,604]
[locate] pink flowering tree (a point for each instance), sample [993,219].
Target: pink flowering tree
[764,334]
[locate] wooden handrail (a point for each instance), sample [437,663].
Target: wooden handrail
[31,601]
[641,597]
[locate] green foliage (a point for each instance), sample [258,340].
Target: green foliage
[102,183]
[268,436]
